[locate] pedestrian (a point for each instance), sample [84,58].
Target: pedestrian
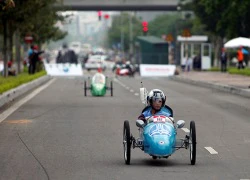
[189,64]
[223,60]
[240,58]
[33,59]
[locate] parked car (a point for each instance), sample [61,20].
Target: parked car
[94,62]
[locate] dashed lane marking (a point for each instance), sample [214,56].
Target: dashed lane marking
[185,130]
[211,150]
[123,85]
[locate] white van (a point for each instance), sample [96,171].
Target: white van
[94,62]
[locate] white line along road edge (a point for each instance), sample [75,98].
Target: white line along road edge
[211,150]
[17,105]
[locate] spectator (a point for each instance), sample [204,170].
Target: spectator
[11,70]
[223,60]
[189,64]
[33,59]
[240,58]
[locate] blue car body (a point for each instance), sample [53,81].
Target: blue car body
[159,139]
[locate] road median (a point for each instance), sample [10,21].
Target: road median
[11,95]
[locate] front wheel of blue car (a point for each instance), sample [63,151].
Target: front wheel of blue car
[126,142]
[192,143]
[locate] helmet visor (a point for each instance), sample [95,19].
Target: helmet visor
[157,99]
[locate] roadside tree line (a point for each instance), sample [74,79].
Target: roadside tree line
[19,18]
[221,20]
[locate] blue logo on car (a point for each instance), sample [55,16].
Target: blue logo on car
[65,69]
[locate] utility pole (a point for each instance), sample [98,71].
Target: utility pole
[122,35]
[131,34]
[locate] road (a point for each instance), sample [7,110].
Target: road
[60,134]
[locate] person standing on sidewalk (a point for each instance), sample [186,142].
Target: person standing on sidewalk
[240,58]
[189,63]
[223,60]
[34,58]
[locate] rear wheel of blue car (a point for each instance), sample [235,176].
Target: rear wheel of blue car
[126,142]
[192,143]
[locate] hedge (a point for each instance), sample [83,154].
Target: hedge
[15,81]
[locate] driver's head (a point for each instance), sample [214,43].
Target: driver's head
[156,99]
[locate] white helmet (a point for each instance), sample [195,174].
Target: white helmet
[156,94]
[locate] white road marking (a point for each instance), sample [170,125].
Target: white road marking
[17,105]
[128,88]
[211,150]
[244,179]
[185,130]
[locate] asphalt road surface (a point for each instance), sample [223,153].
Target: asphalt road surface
[60,134]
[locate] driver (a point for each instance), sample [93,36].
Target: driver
[156,106]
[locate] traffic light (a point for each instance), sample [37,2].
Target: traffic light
[100,15]
[145,27]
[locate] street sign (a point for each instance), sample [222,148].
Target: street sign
[186,33]
[28,39]
[169,38]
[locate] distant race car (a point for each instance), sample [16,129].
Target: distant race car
[123,70]
[98,85]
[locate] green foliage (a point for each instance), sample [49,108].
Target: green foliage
[245,71]
[35,17]
[170,24]
[224,18]
[15,81]
[233,70]
[214,69]
[164,24]
[121,22]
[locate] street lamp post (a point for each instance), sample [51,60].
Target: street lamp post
[122,36]
[131,35]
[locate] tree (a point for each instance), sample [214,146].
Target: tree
[121,23]
[6,4]
[169,24]
[223,19]
[34,17]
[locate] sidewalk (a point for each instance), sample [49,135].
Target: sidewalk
[236,84]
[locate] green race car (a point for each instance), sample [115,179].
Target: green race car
[98,86]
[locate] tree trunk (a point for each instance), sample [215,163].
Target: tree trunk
[18,51]
[5,57]
[218,46]
[11,54]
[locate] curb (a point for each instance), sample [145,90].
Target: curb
[13,94]
[221,87]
